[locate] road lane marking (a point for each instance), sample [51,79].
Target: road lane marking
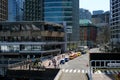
[70,71]
[74,71]
[86,71]
[78,71]
[66,70]
[83,71]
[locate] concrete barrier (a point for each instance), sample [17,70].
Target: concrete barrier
[58,75]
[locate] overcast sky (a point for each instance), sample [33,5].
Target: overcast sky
[92,5]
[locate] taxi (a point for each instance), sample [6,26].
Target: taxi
[78,53]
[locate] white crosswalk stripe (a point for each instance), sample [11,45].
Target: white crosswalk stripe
[87,71]
[75,71]
[66,70]
[70,71]
[78,71]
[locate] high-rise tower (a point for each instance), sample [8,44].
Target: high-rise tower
[60,11]
[115,22]
[3,10]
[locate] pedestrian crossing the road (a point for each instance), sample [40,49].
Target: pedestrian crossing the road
[87,71]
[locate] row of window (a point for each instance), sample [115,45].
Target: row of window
[17,48]
[57,4]
[56,0]
[115,36]
[55,19]
[47,9]
[115,31]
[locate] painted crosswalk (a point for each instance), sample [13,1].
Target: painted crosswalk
[74,71]
[88,71]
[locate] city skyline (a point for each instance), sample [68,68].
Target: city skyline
[87,4]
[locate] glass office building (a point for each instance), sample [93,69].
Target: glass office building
[60,11]
[12,10]
[33,10]
[15,10]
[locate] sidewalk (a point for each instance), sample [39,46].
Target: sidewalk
[48,63]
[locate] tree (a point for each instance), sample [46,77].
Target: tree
[103,36]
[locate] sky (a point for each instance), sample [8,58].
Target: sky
[92,5]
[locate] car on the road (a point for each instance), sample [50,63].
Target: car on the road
[62,61]
[66,59]
[83,49]
[78,53]
[71,57]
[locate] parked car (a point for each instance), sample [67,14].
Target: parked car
[66,59]
[62,61]
[83,49]
[71,57]
[78,53]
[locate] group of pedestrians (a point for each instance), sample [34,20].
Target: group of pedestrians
[55,62]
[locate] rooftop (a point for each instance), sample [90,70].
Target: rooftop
[85,22]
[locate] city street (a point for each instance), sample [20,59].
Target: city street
[77,68]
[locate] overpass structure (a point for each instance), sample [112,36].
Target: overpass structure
[104,63]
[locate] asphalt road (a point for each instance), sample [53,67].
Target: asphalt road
[75,69]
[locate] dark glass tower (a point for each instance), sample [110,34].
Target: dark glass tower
[33,10]
[3,10]
[60,11]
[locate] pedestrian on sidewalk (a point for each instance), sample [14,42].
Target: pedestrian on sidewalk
[49,63]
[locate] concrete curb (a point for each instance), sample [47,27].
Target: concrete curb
[58,75]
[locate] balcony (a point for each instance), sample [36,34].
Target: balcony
[21,33]
[55,34]
[36,33]
[52,33]
[4,33]
[61,34]
[46,33]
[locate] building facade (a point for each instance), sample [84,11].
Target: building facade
[85,14]
[3,10]
[12,10]
[33,10]
[15,10]
[98,12]
[88,33]
[20,9]
[115,23]
[57,11]
[60,11]
[101,19]
[31,37]
[29,40]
